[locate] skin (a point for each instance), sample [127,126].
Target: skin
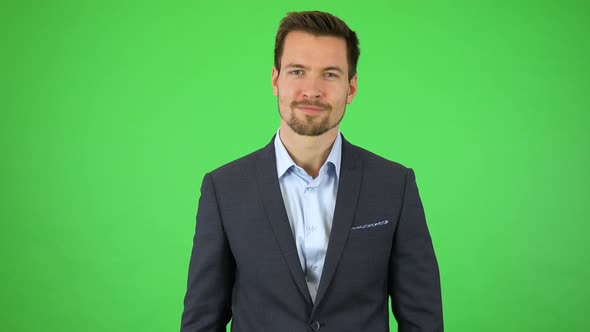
[312,90]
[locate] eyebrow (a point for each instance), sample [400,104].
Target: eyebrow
[300,66]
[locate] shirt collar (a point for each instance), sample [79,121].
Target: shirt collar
[284,161]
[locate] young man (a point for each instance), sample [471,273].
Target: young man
[312,233]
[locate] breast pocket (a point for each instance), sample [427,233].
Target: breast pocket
[365,259]
[371,237]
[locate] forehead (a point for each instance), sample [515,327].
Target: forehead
[305,48]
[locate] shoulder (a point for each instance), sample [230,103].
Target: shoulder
[381,175]
[240,166]
[374,163]
[243,170]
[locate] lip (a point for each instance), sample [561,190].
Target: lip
[310,109]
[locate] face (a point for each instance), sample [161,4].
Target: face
[312,86]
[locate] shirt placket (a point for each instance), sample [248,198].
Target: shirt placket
[313,234]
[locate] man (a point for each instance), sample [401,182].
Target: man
[312,233]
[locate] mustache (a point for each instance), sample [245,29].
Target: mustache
[311,103]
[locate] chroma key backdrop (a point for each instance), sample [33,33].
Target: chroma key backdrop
[112,112]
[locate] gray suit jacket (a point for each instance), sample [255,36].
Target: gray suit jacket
[244,264]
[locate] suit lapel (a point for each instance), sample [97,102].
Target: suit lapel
[274,207]
[344,211]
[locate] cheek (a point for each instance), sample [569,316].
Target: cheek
[283,97]
[286,95]
[286,90]
[289,87]
[340,98]
[284,102]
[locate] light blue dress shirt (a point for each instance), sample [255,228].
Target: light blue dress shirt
[310,207]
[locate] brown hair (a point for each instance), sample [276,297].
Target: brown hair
[318,24]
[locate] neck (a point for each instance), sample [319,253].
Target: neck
[308,152]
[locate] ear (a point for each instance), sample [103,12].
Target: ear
[352,87]
[274,81]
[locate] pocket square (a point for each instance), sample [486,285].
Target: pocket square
[377,224]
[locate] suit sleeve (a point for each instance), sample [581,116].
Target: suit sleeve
[207,303]
[414,281]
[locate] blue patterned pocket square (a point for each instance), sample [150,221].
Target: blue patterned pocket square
[377,224]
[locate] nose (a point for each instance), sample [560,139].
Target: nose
[312,89]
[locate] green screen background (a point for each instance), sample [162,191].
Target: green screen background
[111,113]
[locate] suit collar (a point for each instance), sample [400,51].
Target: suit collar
[344,211]
[274,207]
[346,201]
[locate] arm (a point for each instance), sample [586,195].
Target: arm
[207,303]
[414,282]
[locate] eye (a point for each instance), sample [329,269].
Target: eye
[296,72]
[331,75]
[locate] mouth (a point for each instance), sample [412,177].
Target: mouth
[310,108]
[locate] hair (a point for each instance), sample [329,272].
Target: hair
[318,24]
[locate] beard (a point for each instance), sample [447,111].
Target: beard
[311,125]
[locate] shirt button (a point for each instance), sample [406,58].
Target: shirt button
[315,326]
[315,268]
[312,228]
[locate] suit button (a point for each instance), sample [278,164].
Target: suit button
[315,325]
